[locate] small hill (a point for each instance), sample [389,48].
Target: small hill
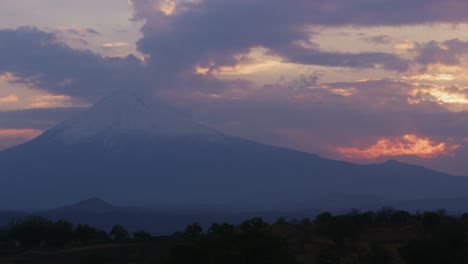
[92,205]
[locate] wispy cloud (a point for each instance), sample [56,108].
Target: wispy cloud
[77,31]
[40,60]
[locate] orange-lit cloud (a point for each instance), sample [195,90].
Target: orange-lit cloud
[257,61]
[9,99]
[407,145]
[432,77]
[240,69]
[45,101]
[404,46]
[7,76]
[167,7]
[19,133]
[439,95]
[115,45]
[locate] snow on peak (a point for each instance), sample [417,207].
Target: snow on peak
[126,113]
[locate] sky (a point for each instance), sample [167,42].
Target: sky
[356,80]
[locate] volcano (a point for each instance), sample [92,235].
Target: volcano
[130,151]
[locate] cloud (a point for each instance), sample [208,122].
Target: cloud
[441,95]
[40,60]
[38,119]
[210,32]
[332,12]
[380,39]
[51,101]
[114,45]
[215,34]
[369,60]
[182,36]
[6,76]
[77,31]
[448,52]
[9,99]
[406,145]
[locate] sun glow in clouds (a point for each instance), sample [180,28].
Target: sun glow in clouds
[439,95]
[167,7]
[407,145]
[432,77]
[256,60]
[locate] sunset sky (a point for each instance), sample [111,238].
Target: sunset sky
[357,80]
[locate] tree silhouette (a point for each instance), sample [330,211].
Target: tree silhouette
[4,238]
[281,221]
[30,231]
[400,218]
[254,225]
[252,243]
[119,234]
[141,236]
[193,230]
[60,233]
[85,233]
[222,230]
[323,219]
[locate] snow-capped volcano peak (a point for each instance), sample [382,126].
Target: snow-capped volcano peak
[127,114]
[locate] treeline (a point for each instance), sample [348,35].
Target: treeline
[250,242]
[382,237]
[35,231]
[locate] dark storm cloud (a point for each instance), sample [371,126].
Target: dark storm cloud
[40,60]
[385,12]
[214,33]
[210,33]
[359,60]
[331,12]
